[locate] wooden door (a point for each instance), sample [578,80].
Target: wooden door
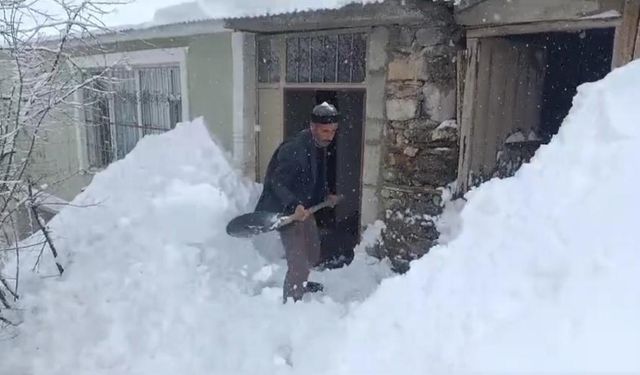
[503,91]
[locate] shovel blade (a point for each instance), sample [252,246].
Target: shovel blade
[253,223]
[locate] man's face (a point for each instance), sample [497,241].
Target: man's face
[323,133]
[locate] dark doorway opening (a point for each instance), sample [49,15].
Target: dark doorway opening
[339,227]
[522,88]
[572,59]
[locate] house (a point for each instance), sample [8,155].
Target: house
[433,96]
[520,69]
[390,70]
[158,76]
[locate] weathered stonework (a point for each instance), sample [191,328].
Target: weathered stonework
[402,109]
[439,104]
[406,67]
[420,138]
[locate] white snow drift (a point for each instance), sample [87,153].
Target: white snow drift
[542,276]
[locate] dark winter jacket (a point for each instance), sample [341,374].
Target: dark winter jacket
[294,176]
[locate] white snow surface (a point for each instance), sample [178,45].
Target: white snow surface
[139,14]
[145,13]
[539,275]
[154,285]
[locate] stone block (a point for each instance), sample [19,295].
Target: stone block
[417,135]
[431,36]
[436,167]
[439,69]
[404,89]
[402,38]
[447,132]
[410,231]
[439,104]
[402,109]
[411,151]
[410,67]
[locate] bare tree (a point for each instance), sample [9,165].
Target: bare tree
[38,79]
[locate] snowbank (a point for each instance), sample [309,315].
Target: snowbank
[153,285]
[540,273]
[543,276]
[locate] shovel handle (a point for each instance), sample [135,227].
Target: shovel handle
[319,206]
[313,209]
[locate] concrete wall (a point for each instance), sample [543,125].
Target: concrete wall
[210,72]
[244,102]
[57,155]
[61,157]
[222,89]
[377,61]
[57,159]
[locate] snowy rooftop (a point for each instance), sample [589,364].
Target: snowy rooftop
[132,16]
[208,16]
[354,14]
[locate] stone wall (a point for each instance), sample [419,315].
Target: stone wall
[419,137]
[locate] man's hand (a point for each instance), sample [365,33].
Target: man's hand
[333,199]
[300,214]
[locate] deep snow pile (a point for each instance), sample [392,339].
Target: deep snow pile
[544,275]
[539,275]
[153,285]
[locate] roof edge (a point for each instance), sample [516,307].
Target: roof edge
[349,16]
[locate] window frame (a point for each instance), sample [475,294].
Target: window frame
[137,61]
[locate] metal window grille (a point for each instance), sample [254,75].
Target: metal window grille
[127,105]
[326,58]
[268,60]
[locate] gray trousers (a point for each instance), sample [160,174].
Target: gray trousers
[301,242]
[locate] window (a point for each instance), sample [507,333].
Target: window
[127,105]
[268,61]
[326,58]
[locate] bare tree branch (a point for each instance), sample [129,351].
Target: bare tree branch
[41,47]
[3,300]
[8,288]
[44,230]
[7,322]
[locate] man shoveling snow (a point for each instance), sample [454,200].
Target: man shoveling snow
[296,180]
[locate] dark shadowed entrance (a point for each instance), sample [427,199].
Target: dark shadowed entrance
[340,227]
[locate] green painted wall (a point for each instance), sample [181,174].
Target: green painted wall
[210,95]
[210,74]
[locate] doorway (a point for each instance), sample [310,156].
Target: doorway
[339,227]
[517,91]
[573,59]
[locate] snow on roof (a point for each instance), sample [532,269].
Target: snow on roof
[351,15]
[207,10]
[210,16]
[203,16]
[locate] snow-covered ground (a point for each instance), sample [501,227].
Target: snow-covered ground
[539,273]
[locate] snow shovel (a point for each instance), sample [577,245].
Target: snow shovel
[258,222]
